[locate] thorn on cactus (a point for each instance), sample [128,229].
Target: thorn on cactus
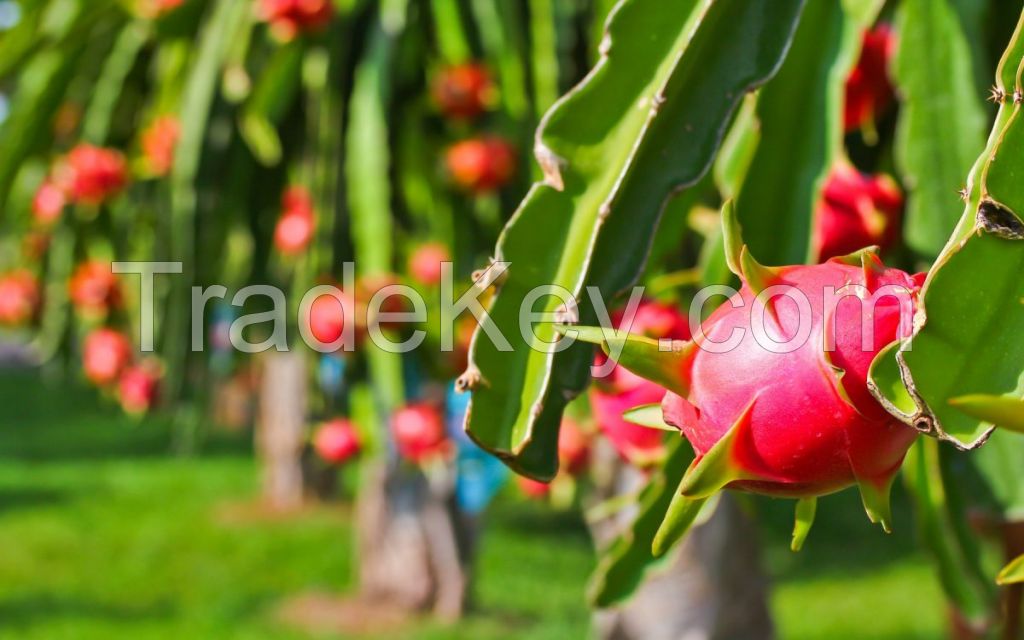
[996,94]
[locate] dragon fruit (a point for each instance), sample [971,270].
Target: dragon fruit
[425,263]
[868,88]
[481,165]
[138,387]
[782,407]
[94,288]
[105,355]
[92,175]
[856,211]
[419,432]
[295,227]
[19,297]
[158,143]
[291,18]
[463,91]
[336,441]
[611,396]
[48,203]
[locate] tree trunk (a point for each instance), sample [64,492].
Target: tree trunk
[413,545]
[281,429]
[712,589]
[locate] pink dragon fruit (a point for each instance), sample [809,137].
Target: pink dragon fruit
[782,407]
[856,211]
[868,88]
[610,397]
[337,441]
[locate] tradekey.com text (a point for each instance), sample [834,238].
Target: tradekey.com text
[546,314]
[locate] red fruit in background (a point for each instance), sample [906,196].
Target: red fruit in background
[481,164]
[868,89]
[94,288]
[92,175]
[19,297]
[336,441]
[158,143]
[573,447]
[105,354]
[463,90]
[801,423]
[425,263]
[138,388]
[157,8]
[622,390]
[533,488]
[327,316]
[856,211]
[290,18]
[295,227]
[48,203]
[419,432]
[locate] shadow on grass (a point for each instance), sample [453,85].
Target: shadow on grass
[25,610]
[66,421]
[13,499]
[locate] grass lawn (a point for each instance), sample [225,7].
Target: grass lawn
[104,535]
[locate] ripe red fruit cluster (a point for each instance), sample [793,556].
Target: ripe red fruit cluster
[105,355]
[621,390]
[868,88]
[425,263]
[463,91]
[19,297]
[158,143]
[295,227]
[856,211]
[291,18]
[337,441]
[419,432]
[481,165]
[94,288]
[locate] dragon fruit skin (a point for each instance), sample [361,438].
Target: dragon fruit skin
[622,389]
[799,424]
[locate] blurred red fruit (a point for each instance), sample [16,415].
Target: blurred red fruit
[105,354]
[622,390]
[138,388]
[336,441]
[573,447]
[425,263]
[48,203]
[158,143]
[481,164]
[295,227]
[327,316]
[94,288]
[533,488]
[290,18]
[419,432]
[19,297]
[868,89]
[463,90]
[157,8]
[856,211]
[92,175]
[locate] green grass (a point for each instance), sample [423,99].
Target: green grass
[105,535]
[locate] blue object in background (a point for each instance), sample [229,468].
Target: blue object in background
[480,476]
[331,373]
